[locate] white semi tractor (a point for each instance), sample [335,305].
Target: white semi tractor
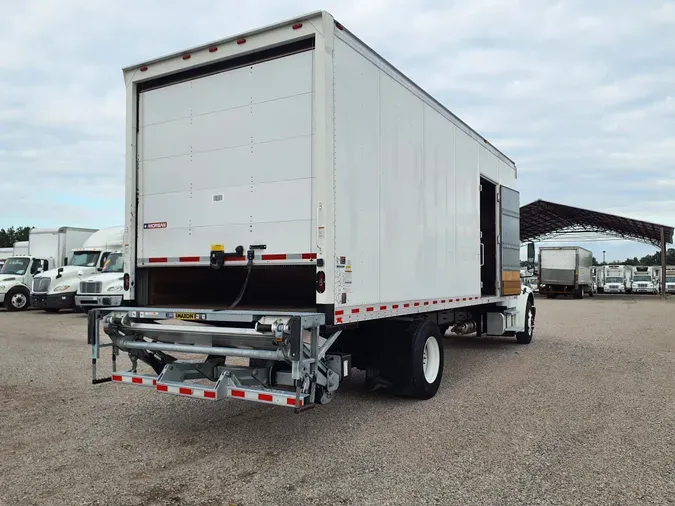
[105,288]
[615,278]
[45,249]
[55,289]
[307,207]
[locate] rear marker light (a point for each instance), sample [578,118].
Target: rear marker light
[241,41]
[339,26]
[143,69]
[186,57]
[213,49]
[320,281]
[297,26]
[126,282]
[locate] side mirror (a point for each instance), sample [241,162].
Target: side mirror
[59,272]
[39,269]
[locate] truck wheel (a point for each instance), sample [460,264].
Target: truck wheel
[419,369]
[525,337]
[17,299]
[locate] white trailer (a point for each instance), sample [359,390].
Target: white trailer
[326,210]
[565,271]
[55,289]
[615,279]
[45,249]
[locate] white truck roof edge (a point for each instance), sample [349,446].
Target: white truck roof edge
[249,33]
[60,229]
[456,119]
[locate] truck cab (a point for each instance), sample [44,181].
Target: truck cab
[105,289]
[16,275]
[644,280]
[55,289]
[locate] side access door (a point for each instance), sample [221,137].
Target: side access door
[509,203]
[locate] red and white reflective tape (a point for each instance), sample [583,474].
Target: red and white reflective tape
[374,311]
[189,391]
[276,397]
[144,380]
[205,260]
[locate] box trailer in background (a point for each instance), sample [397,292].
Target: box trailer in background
[21,248]
[565,271]
[45,249]
[313,210]
[615,278]
[5,253]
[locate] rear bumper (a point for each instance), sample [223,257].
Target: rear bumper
[98,300]
[53,301]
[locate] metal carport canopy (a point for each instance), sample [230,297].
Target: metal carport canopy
[541,220]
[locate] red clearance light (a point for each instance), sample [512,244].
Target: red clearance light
[339,26]
[126,282]
[143,68]
[186,57]
[320,281]
[297,26]
[241,41]
[213,49]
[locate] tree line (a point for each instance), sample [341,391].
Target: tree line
[8,236]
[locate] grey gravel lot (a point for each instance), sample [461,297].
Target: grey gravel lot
[584,415]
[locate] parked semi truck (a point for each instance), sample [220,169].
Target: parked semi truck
[565,270]
[105,288]
[45,249]
[615,278]
[55,289]
[299,202]
[670,279]
[644,280]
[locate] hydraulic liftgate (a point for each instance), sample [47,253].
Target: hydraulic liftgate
[284,350]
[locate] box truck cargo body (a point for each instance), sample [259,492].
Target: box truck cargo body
[565,271]
[295,174]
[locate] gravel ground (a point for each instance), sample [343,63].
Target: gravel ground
[584,415]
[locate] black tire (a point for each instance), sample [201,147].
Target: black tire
[15,296]
[591,294]
[525,337]
[406,370]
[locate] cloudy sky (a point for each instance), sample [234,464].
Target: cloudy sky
[580,94]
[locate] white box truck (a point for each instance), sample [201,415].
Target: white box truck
[45,249]
[644,280]
[670,279]
[103,289]
[615,279]
[311,209]
[565,270]
[5,253]
[55,289]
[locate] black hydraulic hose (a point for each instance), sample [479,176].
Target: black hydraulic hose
[243,288]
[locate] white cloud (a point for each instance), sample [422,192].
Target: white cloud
[579,94]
